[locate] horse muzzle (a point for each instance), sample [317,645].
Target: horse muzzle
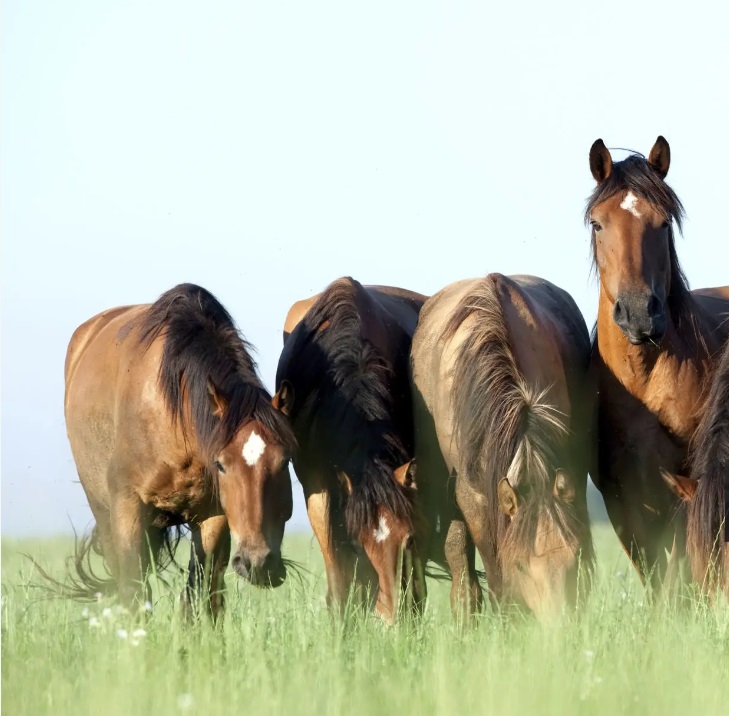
[260,569]
[640,317]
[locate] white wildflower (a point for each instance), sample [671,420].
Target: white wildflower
[94,623]
[185,702]
[106,613]
[139,633]
[85,612]
[122,633]
[589,655]
[98,596]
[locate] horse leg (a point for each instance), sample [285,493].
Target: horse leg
[128,537]
[460,553]
[472,505]
[208,561]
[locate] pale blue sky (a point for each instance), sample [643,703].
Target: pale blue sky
[264,149]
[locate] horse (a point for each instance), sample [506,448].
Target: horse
[170,425]
[654,349]
[502,440]
[342,380]
[707,489]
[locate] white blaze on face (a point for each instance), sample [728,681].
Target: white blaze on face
[383,531]
[253,449]
[629,204]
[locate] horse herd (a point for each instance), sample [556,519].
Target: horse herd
[421,429]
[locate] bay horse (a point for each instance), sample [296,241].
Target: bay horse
[342,380]
[654,346]
[707,490]
[502,440]
[169,424]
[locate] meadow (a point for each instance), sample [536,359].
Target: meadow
[280,652]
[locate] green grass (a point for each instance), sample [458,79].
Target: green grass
[279,652]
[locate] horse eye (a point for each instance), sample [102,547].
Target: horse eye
[219,465]
[595,226]
[665,224]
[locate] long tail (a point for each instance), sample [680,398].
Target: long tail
[708,528]
[81,581]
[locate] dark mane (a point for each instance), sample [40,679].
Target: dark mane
[708,530]
[202,346]
[344,404]
[505,428]
[635,174]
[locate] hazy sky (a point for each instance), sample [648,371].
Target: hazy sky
[263,149]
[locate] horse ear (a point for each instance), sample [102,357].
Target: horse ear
[508,499]
[563,488]
[683,487]
[660,156]
[284,399]
[345,481]
[218,404]
[405,475]
[601,163]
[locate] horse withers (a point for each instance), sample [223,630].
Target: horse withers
[707,490]
[502,432]
[169,425]
[653,355]
[343,381]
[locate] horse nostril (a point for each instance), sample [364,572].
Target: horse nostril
[619,314]
[654,305]
[240,564]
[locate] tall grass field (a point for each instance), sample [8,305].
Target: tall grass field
[280,652]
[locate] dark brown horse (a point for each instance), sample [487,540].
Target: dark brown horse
[169,424]
[654,347]
[707,491]
[343,381]
[502,417]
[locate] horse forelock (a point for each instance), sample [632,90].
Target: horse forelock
[504,427]
[343,409]
[203,347]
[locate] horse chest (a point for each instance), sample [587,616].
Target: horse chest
[180,490]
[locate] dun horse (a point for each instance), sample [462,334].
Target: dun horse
[169,424]
[653,350]
[707,491]
[343,381]
[502,417]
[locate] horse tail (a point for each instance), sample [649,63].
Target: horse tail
[708,528]
[81,582]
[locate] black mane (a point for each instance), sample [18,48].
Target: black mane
[202,346]
[344,413]
[635,174]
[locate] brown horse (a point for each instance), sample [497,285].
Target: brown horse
[707,491]
[653,350]
[502,418]
[343,380]
[169,424]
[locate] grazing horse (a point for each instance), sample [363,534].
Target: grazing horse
[707,490]
[169,425]
[343,381]
[502,435]
[654,346]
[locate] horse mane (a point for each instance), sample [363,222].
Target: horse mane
[343,402]
[504,427]
[203,347]
[634,173]
[707,511]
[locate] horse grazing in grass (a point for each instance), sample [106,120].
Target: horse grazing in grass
[653,353]
[502,433]
[707,490]
[343,381]
[169,425]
